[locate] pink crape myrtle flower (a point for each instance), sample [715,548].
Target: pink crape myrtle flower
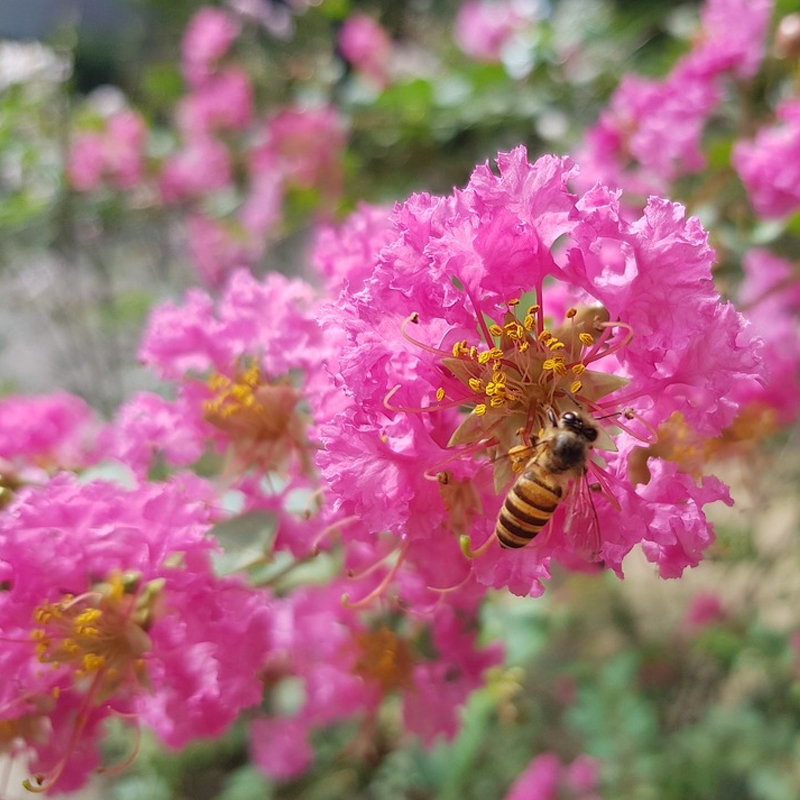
[222,103]
[546,778]
[506,300]
[207,38]
[656,125]
[261,210]
[652,131]
[769,165]
[249,375]
[366,45]
[202,166]
[46,433]
[217,248]
[349,663]
[482,27]
[770,298]
[114,155]
[110,606]
[346,255]
[148,427]
[307,143]
[731,39]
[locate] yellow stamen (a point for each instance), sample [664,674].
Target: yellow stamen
[586,339]
[440,394]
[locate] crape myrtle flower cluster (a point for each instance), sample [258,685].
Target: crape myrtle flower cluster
[42,434]
[222,145]
[768,165]
[546,778]
[110,607]
[125,616]
[349,662]
[369,414]
[492,305]
[248,376]
[651,132]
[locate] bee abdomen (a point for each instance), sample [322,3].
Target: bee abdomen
[527,509]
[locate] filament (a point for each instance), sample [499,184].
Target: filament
[481,321]
[380,588]
[41,783]
[427,409]
[117,768]
[327,531]
[593,354]
[414,318]
[357,576]
[599,474]
[465,543]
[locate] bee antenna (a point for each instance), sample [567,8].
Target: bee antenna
[608,416]
[568,393]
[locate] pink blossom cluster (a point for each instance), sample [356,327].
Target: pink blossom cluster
[247,384]
[651,132]
[225,146]
[768,165]
[547,778]
[433,332]
[770,298]
[349,663]
[40,434]
[110,607]
[484,27]
[365,45]
[114,156]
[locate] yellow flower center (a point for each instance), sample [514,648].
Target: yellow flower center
[102,633]
[260,417]
[384,658]
[524,370]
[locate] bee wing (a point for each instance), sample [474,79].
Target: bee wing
[581,524]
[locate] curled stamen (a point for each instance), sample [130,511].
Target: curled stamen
[122,766]
[600,476]
[380,588]
[629,413]
[357,576]
[455,403]
[414,319]
[606,328]
[328,530]
[465,543]
[443,591]
[41,783]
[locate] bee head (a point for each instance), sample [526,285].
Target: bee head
[579,425]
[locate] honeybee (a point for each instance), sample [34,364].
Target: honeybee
[552,471]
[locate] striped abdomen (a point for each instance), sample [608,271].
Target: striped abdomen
[530,503]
